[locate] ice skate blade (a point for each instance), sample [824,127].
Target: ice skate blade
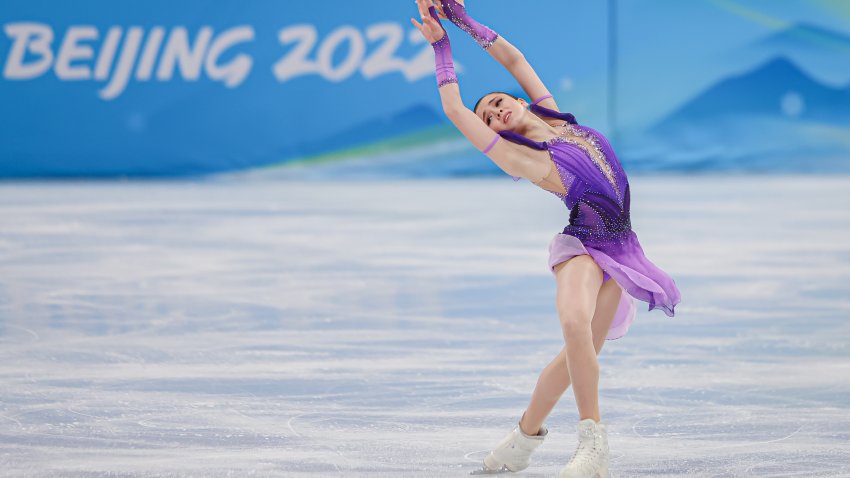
[487,471]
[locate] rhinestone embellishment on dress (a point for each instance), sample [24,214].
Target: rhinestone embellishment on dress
[596,155]
[483,42]
[445,82]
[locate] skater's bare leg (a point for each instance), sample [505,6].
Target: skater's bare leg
[552,383]
[555,378]
[578,281]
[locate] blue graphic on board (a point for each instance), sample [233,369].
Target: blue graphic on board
[776,115]
[775,118]
[91,89]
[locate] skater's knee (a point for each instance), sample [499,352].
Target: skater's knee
[576,326]
[574,316]
[575,308]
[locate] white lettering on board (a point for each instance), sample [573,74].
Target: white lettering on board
[72,50]
[234,72]
[134,53]
[187,57]
[32,37]
[121,74]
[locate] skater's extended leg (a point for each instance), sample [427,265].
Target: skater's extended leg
[552,383]
[579,282]
[555,378]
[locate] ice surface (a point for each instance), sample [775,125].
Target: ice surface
[396,328]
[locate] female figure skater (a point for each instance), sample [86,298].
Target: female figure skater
[576,163]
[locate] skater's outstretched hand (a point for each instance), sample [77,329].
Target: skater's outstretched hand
[438,4]
[430,27]
[455,12]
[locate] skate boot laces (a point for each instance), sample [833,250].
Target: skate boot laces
[590,458]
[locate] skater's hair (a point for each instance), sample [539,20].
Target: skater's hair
[490,93]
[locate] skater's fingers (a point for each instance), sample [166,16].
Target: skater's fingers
[439,8]
[423,9]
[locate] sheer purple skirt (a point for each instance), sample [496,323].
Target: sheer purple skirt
[626,263]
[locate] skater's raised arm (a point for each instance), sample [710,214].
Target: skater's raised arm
[499,48]
[511,158]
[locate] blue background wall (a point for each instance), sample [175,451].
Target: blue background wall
[703,85]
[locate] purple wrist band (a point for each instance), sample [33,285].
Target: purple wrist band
[538,100]
[445,69]
[456,13]
[492,143]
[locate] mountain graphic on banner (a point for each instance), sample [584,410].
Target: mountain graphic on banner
[776,89]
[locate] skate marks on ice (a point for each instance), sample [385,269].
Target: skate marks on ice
[397,329]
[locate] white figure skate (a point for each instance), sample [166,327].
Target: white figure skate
[590,459]
[512,454]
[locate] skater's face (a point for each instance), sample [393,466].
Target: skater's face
[500,111]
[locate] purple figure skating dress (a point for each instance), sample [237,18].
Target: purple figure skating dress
[598,199]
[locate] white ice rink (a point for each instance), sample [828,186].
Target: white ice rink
[396,329]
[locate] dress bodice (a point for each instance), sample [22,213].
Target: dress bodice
[596,184]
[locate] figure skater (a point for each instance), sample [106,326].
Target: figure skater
[577,164]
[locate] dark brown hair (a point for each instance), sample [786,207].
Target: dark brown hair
[490,93]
